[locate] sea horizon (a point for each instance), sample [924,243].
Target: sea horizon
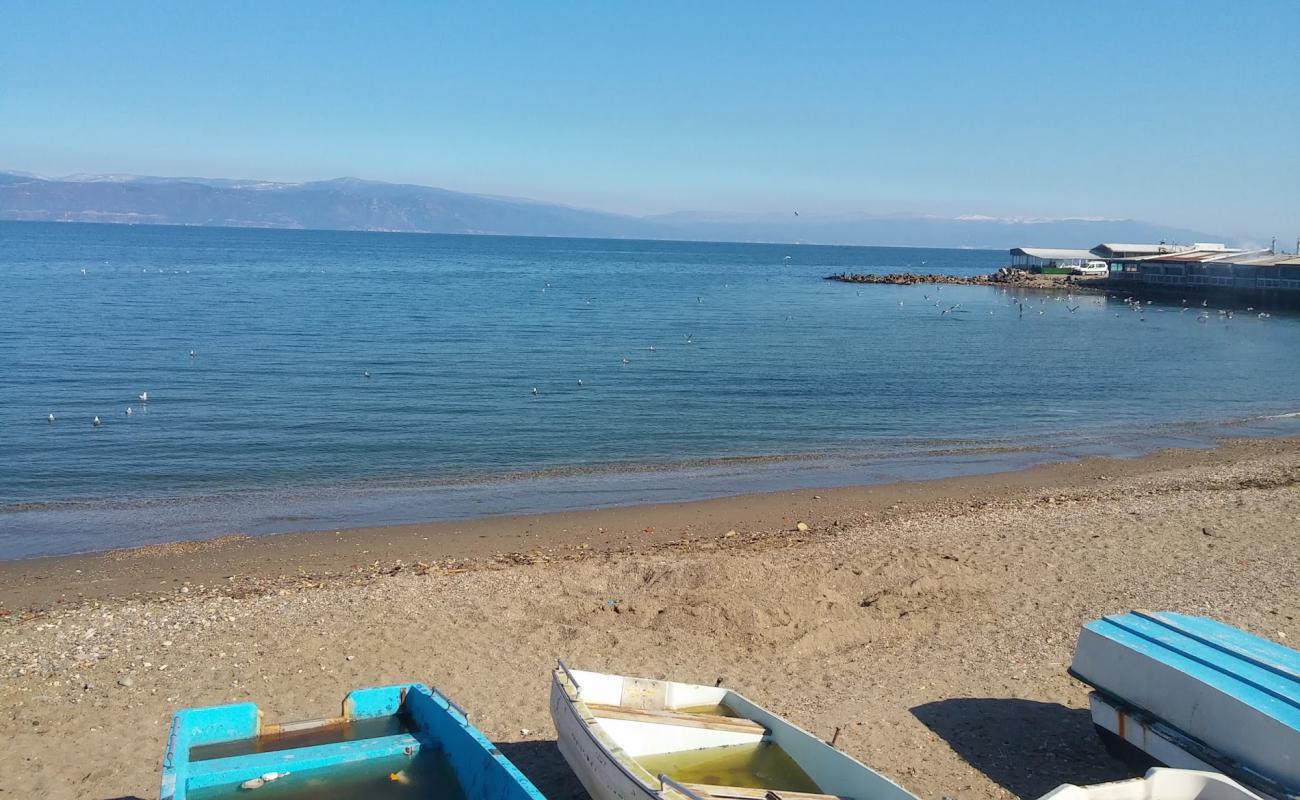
[491,235]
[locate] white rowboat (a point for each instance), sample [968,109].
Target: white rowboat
[641,739]
[1159,784]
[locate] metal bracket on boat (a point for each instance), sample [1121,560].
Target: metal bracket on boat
[451,704]
[664,781]
[577,688]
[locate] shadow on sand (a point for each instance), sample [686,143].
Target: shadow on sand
[1027,747]
[542,762]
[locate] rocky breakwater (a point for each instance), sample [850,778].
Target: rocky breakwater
[1003,277]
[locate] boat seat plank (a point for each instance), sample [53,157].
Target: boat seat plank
[710,721]
[746,793]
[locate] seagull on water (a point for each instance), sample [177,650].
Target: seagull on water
[96,422]
[579,383]
[144,397]
[191,354]
[534,391]
[128,411]
[50,418]
[365,374]
[625,361]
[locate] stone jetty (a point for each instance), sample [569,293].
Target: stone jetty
[1003,277]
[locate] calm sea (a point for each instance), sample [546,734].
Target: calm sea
[705,369]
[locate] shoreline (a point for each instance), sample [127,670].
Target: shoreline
[240,565]
[34,530]
[930,623]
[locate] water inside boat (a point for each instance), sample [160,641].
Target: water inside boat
[426,776]
[760,765]
[333,732]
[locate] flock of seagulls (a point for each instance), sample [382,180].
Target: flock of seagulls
[97,422]
[1073,306]
[143,397]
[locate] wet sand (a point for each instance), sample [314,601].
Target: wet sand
[931,621]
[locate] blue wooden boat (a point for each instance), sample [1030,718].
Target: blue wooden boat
[401,741]
[1193,693]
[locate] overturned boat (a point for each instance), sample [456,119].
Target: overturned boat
[1193,693]
[641,739]
[401,741]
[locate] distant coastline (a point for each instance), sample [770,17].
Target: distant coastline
[360,205]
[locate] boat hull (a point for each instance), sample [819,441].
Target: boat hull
[1165,784]
[602,776]
[1197,694]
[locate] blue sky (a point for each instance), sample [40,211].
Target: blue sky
[1186,113]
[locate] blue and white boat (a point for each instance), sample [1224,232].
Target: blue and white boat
[1193,693]
[401,741]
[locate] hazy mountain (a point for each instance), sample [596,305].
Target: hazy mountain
[923,230]
[353,204]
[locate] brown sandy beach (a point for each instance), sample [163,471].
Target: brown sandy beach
[932,621]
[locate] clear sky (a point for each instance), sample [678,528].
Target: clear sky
[1185,113]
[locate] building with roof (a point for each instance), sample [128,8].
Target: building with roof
[1251,272]
[1037,259]
[1202,267]
[1110,250]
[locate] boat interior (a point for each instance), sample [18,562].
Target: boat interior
[401,742]
[707,740]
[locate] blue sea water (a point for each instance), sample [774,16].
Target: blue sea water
[706,369]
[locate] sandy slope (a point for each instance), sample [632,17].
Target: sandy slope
[937,639]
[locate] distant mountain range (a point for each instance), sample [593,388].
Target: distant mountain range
[354,204]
